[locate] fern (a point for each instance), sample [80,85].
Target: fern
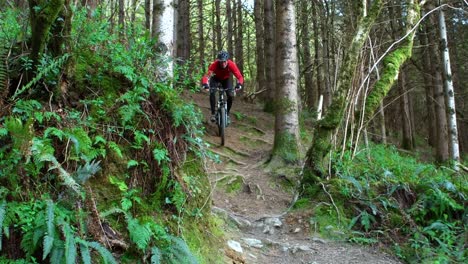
[2,218]
[49,68]
[70,245]
[83,173]
[139,234]
[105,254]
[155,255]
[112,145]
[85,254]
[179,252]
[48,241]
[82,142]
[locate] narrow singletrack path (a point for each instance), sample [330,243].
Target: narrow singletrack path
[255,204]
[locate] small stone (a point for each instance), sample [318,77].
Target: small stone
[234,245]
[297,230]
[252,242]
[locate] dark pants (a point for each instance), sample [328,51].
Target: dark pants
[227,85]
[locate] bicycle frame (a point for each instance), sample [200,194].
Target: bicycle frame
[221,111]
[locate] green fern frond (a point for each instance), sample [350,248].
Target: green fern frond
[112,145]
[83,144]
[56,256]
[155,255]
[43,151]
[55,132]
[70,245]
[181,252]
[27,107]
[50,67]
[85,254]
[139,234]
[83,173]
[48,241]
[2,218]
[105,254]
[111,211]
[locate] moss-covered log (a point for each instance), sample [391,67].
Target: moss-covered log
[325,127]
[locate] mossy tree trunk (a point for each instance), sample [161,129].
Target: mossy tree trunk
[286,122]
[394,61]
[43,13]
[324,128]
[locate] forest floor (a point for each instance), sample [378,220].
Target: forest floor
[255,203]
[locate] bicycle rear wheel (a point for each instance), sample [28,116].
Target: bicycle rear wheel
[222,124]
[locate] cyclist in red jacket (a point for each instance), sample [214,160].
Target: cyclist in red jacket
[219,72]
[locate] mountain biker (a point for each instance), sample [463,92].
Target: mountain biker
[219,72]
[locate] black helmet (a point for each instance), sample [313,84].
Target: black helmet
[223,55]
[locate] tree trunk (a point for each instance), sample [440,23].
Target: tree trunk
[121,17]
[318,51]
[41,22]
[324,128]
[310,92]
[441,151]
[148,15]
[269,41]
[166,34]
[449,92]
[428,82]
[327,88]
[240,38]
[201,46]
[259,33]
[286,116]
[183,31]
[229,28]
[217,33]
[407,141]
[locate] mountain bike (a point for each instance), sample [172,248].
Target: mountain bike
[221,111]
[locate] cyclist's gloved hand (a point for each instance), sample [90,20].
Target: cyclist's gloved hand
[205,86]
[238,87]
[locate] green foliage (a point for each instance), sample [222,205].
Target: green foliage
[51,223]
[49,67]
[393,192]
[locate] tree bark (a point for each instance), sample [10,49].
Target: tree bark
[217,33]
[286,140]
[148,15]
[259,33]
[310,92]
[449,92]
[201,46]
[183,31]
[43,14]
[269,44]
[407,140]
[428,82]
[442,145]
[230,47]
[166,33]
[240,38]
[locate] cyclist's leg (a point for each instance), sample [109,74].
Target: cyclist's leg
[227,85]
[213,82]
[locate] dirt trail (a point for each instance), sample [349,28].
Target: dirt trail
[259,227]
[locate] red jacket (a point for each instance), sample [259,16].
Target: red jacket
[223,74]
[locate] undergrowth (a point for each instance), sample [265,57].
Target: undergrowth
[417,209]
[96,170]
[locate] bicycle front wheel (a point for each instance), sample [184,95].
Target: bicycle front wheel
[222,124]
